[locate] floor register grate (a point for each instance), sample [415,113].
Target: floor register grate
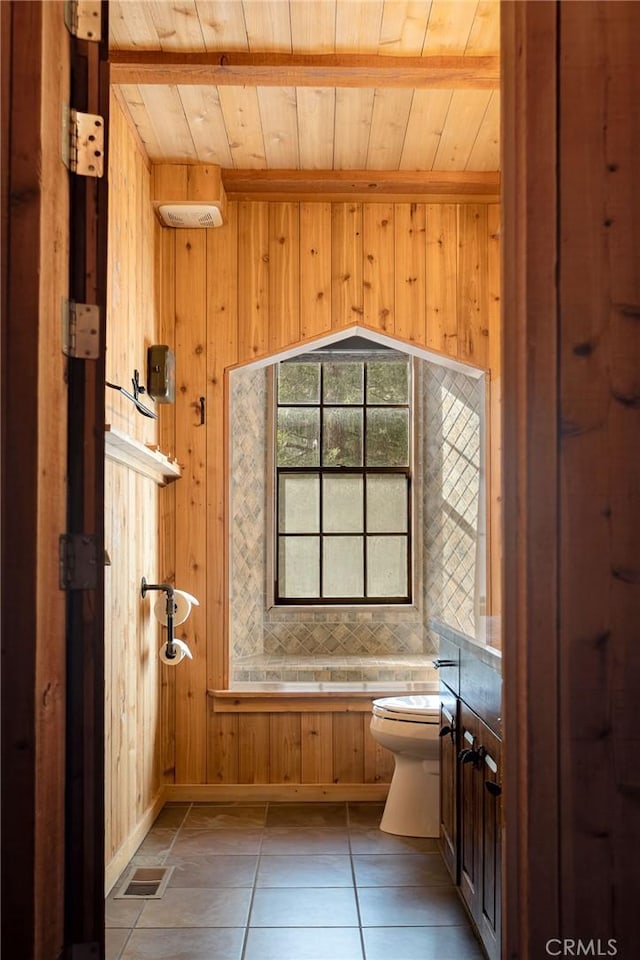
[144,883]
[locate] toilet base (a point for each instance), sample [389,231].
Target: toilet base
[413,802]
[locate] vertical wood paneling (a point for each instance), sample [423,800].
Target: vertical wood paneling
[149,730]
[191,501]
[284,748]
[410,263]
[39,233]
[348,255]
[139,717]
[441,280]
[346,264]
[222,746]
[222,351]
[599,469]
[253,748]
[284,274]
[116,797]
[348,748]
[165,243]
[379,266]
[127,651]
[572,484]
[253,279]
[531,888]
[473,318]
[315,269]
[316,731]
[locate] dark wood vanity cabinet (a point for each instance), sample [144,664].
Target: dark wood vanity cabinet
[480,811]
[470,795]
[448,777]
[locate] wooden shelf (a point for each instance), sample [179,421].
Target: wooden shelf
[144,459]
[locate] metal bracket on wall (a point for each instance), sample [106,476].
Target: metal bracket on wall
[80,330]
[82,142]
[78,561]
[82,18]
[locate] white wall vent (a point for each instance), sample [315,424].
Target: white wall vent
[192,215]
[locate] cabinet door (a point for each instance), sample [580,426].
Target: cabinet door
[489,914]
[469,781]
[448,783]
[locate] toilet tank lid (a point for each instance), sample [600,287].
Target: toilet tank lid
[415,704]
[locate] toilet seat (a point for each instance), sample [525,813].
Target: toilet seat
[411,709]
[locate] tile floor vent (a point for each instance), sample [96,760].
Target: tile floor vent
[144,883]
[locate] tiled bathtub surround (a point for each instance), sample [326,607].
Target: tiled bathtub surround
[292,644]
[337,669]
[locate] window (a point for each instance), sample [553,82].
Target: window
[342,459]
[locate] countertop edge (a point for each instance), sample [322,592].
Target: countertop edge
[491,656]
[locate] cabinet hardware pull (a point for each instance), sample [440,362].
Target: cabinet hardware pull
[468,756]
[493,788]
[445,730]
[444,663]
[490,762]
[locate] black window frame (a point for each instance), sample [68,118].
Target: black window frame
[344,471]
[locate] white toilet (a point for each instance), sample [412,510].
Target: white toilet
[409,727]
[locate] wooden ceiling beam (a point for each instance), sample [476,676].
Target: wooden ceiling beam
[302,70]
[362,185]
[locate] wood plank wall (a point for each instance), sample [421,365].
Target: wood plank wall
[35,215]
[599,469]
[134,526]
[572,476]
[278,274]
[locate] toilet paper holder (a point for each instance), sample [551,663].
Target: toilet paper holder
[175,649]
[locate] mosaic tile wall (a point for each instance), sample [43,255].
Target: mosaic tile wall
[454,526]
[264,642]
[247,511]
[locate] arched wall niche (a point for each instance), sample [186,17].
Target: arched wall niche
[357,644]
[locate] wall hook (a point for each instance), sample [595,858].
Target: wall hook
[138,389]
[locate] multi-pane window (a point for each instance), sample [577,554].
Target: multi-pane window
[343,440]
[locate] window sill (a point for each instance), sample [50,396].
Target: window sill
[368,611]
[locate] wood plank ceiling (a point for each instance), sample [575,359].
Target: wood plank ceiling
[394,86]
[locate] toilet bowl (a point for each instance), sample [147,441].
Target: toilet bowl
[409,728]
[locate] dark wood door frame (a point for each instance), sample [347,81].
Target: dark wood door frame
[530,471]
[54,231]
[571,223]
[85,813]
[571,347]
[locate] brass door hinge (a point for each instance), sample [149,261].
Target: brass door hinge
[82,18]
[80,330]
[83,142]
